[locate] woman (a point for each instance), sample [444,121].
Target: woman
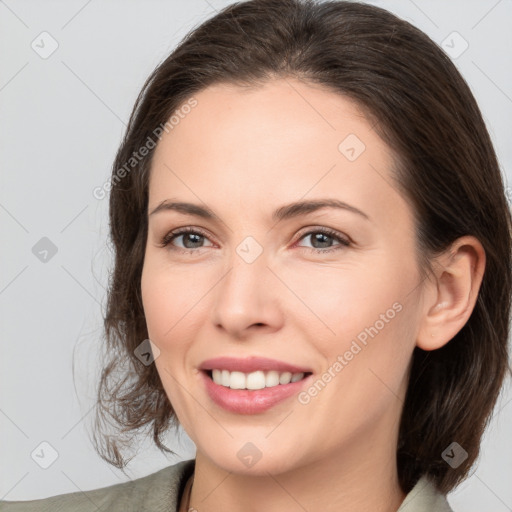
[310,226]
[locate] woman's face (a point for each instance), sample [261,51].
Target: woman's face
[333,292]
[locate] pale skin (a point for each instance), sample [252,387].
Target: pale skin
[243,154]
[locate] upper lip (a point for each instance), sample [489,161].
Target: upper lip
[250,364]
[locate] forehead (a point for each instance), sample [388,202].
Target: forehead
[280,115]
[277,142]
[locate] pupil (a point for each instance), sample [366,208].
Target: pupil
[318,238]
[191,235]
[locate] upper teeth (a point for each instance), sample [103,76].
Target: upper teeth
[254,380]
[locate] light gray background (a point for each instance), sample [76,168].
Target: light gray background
[62,120]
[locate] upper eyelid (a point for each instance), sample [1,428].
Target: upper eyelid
[204,231]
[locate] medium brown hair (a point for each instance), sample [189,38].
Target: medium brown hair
[445,167]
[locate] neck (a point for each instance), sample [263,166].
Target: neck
[355,479]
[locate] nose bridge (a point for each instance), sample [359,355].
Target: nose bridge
[244,295]
[248,267]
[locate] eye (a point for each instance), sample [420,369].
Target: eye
[321,236]
[192,238]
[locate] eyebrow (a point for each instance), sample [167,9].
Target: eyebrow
[285,212]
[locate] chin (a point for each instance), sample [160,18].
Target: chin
[251,458]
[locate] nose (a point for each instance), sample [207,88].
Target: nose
[247,298]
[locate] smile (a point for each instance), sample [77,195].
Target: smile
[254,380]
[251,385]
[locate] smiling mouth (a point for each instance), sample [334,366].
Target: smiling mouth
[254,380]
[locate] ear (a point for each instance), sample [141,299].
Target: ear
[450,295]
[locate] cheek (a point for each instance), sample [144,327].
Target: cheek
[367,369]
[341,300]
[363,315]
[377,349]
[169,299]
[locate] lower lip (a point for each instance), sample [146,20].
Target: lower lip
[245,401]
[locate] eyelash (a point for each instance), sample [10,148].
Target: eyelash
[169,237]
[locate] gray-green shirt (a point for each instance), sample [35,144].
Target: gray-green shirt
[161,491]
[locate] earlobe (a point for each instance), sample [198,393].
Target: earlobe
[451,293]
